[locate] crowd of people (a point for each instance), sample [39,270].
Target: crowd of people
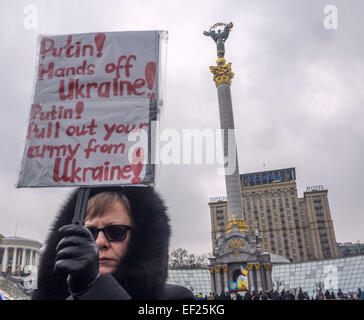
[284,295]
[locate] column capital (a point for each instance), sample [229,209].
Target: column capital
[212,270]
[267,267]
[225,268]
[250,267]
[222,73]
[257,266]
[218,269]
[239,222]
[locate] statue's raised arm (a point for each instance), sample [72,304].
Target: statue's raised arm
[227,30]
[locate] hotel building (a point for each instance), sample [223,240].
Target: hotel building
[300,229]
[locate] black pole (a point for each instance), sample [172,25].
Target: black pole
[81,205]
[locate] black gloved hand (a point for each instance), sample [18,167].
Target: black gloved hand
[77,255]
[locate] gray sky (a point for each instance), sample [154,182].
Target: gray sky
[297,99]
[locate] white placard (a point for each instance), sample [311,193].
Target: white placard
[92,92]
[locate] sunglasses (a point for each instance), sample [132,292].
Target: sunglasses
[114,232]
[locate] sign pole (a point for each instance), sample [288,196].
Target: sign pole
[81,205]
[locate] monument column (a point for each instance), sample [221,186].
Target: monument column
[263,276]
[37,254]
[23,259]
[259,278]
[251,284]
[5,259]
[31,257]
[218,280]
[226,282]
[222,77]
[268,270]
[212,280]
[236,225]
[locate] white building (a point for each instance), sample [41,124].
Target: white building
[18,254]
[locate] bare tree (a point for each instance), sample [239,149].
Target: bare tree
[181,259]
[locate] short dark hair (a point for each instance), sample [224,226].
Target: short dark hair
[101,202]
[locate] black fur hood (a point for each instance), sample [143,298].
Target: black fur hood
[144,270]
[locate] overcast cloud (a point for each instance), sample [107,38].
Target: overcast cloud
[297,99]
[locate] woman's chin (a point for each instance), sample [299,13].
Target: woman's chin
[106,269]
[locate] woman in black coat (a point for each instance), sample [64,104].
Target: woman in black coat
[96,262]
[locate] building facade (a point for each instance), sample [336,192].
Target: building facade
[300,229]
[349,249]
[16,253]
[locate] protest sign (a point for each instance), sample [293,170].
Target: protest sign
[94,93]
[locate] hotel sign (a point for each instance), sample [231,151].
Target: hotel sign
[315,188]
[268,177]
[218,199]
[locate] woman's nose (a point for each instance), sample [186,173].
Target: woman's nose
[101,240]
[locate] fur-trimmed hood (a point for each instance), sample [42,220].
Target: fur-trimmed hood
[144,270]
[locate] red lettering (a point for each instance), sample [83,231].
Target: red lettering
[44,49]
[104,148]
[56,171]
[43,70]
[129,87]
[128,65]
[76,90]
[89,86]
[47,46]
[82,130]
[62,94]
[90,69]
[104,90]
[126,169]
[87,47]
[75,171]
[63,172]
[138,83]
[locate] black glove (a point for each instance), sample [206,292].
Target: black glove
[77,255]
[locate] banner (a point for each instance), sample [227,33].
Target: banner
[233,286]
[95,97]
